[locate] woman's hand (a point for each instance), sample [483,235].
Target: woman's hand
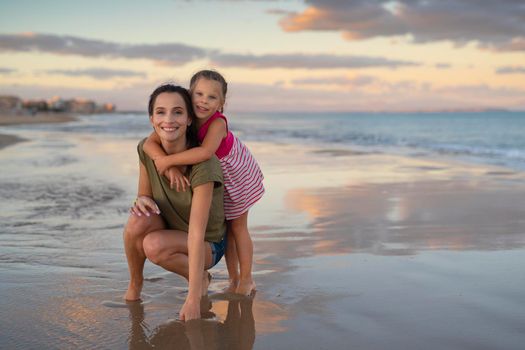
[176,179]
[144,205]
[191,310]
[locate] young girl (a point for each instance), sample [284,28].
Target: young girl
[242,176]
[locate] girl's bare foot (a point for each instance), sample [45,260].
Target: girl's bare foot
[232,286]
[133,292]
[206,279]
[245,287]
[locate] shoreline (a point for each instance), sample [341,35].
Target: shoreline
[7,119]
[38,118]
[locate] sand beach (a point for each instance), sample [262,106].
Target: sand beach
[38,118]
[353,249]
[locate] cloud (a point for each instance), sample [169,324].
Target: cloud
[4,70]
[279,12]
[511,70]
[170,53]
[179,54]
[481,92]
[401,96]
[296,61]
[359,81]
[516,44]
[98,73]
[497,25]
[365,84]
[442,65]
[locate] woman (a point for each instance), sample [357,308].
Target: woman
[182,232]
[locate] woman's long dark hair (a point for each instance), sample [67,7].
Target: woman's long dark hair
[191,131]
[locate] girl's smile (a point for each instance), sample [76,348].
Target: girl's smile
[207,98]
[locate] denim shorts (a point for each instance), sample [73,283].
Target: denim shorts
[217,251]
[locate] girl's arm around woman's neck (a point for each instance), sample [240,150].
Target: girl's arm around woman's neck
[216,133]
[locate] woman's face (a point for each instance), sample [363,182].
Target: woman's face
[170,117]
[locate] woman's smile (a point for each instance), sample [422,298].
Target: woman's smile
[169,128]
[170,117]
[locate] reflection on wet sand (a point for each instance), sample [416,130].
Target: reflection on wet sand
[235,331]
[401,219]
[268,316]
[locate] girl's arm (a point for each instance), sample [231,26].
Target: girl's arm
[152,147]
[200,208]
[216,132]
[155,151]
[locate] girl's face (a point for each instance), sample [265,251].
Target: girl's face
[206,97]
[170,116]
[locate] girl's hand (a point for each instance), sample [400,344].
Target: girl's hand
[161,164]
[144,205]
[191,310]
[176,179]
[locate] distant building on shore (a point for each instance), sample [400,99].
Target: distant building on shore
[34,106]
[10,103]
[82,106]
[57,104]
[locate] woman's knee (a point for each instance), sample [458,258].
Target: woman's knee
[138,226]
[154,248]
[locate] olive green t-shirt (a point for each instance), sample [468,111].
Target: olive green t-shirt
[175,206]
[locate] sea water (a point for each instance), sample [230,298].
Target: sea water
[494,138]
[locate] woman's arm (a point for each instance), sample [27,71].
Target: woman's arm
[200,208]
[210,144]
[144,184]
[144,204]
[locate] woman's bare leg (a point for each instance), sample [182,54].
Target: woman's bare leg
[135,231]
[244,245]
[169,249]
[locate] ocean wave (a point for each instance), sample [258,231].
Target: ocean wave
[485,137]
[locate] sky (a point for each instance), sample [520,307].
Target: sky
[288,55]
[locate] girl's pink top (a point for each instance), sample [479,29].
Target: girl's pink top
[226,143]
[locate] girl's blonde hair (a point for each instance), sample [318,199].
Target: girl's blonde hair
[210,75]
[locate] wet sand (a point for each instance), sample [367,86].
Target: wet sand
[8,140]
[352,250]
[22,119]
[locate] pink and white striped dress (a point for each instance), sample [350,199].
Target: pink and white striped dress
[243,179]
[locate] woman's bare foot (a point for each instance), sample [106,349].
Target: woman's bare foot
[245,287]
[206,279]
[133,292]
